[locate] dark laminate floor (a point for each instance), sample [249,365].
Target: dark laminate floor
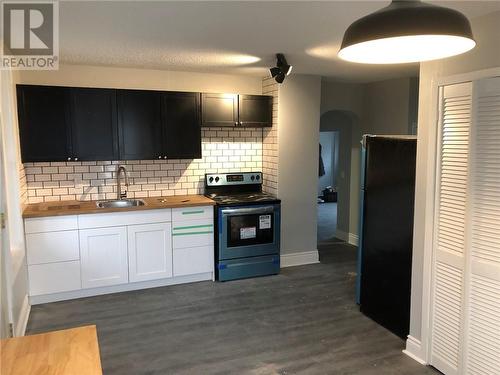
[303,321]
[327,221]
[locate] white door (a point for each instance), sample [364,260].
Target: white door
[465,315]
[103,254]
[482,298]
[150,251]
[449,244]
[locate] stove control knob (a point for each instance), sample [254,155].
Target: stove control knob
[258,177]
[217,179]
[252,178]
[210,179]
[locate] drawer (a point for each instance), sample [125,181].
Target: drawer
[54,277]
[193,260]
[248,267]
[192,233]
[192,213]
[50,224]
[52,247]
[116,219]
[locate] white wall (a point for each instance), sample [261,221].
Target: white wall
[485,55]
[298,137]
[386,106]
[114,77]
[13,247]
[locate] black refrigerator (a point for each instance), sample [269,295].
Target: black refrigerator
[386,228]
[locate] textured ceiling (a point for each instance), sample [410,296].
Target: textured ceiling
[225,37]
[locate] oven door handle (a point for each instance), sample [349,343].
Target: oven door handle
[247,211]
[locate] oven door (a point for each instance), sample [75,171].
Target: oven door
[249,231]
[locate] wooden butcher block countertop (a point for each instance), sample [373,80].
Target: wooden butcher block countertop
[90,207]
[68,352]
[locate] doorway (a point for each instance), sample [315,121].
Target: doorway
[327,185]
[337,131]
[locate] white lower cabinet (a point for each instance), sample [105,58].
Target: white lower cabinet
[54,277]
[52,247]
[77,252]
[103,254]
[193,243]
[149,251]
[193,260]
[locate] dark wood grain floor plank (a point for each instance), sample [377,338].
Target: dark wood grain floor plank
[303,321]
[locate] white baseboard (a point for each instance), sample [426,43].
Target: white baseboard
[35,300]
[414,350]
[353,239]
[299,259]
[24,315]
[350,238]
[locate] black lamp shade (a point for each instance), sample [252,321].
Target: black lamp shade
[408,19]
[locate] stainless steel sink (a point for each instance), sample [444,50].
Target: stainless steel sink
[120,203]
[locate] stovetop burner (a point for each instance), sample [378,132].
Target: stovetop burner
[242,198]
[237,188]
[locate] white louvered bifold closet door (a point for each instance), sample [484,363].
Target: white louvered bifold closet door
[482,336]
[447,315]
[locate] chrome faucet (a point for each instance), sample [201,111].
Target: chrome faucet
[119,194]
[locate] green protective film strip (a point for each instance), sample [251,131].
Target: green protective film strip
[194,226]
[193,212]
[190,233]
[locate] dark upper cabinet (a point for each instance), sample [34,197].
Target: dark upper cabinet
[44,128]
[255,110]
[181,125]
[93,124]
[139,124]
[70,123]
[219,109]
[236,110]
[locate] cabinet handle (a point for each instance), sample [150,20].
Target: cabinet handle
[236,123]
[164,157]
[159,157]
[193,212]
[192,233]
[76,159]
[69,159]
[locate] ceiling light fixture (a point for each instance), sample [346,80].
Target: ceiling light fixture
[407,31]
[282,68]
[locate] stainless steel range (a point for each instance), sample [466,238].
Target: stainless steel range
[248,225]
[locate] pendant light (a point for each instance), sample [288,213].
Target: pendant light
[407,31]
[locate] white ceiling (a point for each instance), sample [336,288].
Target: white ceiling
[225,37]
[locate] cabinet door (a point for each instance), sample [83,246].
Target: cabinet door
[193,260]
[182,127]
[43,123]
[54,277]
[150,251]
[255,110]
[93,124]
[219,109]
[103,254]
[52,247]
[139,127]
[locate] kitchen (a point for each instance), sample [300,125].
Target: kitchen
[158,135]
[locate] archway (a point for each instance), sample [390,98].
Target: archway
[341,129]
